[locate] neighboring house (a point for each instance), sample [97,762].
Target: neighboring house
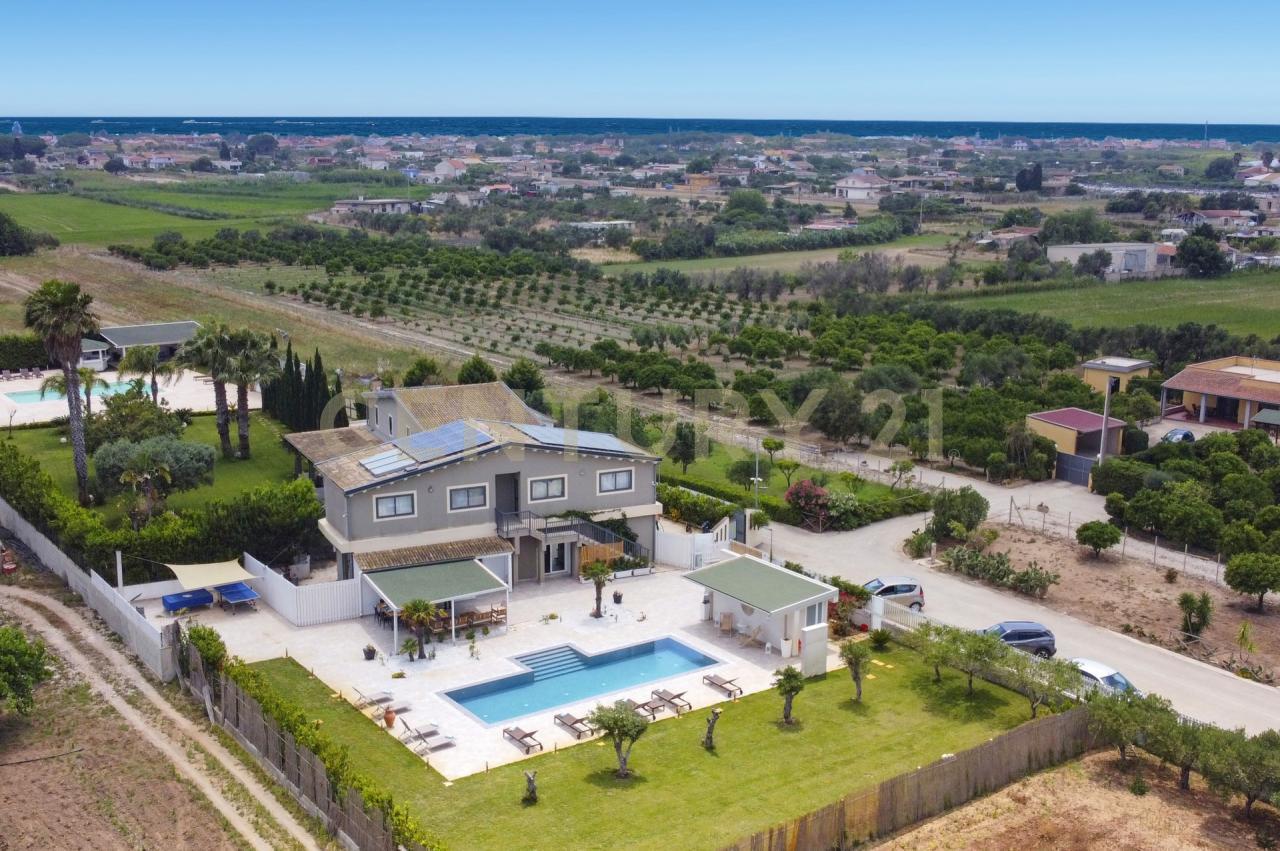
[470,471]
[372,205]
[450,169]
[602,226]
[118,339]
[159,161]
[861,187]
[1171,170]
[373,164]
[1097,371]
[1078,436]
[702,182]
[1004,238]
[1269,181]
[1232,388]
[227,165]
[1127,258]
[1221,219]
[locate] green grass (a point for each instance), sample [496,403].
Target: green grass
[1244,304]
[82,220]
[714,468]
[682,796]
[271,461]
[779,260]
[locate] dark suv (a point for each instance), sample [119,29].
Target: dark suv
[1026,635]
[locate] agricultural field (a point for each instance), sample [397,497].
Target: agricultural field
[714,468]
[1242,303]
[909,248]
[680,797]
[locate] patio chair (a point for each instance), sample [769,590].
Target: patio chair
[524,740]
[498,614]
[466,619]
[753,638]
[364,701]
[674,699]
[729,687]
[418,734]
[4,375]
[649,709]
[578,726]
[726,623]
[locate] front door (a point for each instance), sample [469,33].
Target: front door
[555,559]
[507,492]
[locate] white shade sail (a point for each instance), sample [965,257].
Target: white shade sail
[193,577]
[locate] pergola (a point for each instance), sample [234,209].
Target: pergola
[1269,420]
[449,582]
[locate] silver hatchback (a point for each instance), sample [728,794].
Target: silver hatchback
[902,590]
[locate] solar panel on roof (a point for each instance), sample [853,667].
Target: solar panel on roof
[553,436]
[385,462]
[442,441]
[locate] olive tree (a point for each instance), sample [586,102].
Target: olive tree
[623,726]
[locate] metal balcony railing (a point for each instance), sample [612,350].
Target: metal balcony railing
[513,523]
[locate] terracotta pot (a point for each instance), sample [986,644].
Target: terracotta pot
[389,718]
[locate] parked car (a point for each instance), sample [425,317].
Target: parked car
[1105,677]
[902,590]
[1026,635]
[1178,435]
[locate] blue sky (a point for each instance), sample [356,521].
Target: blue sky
[1083,61]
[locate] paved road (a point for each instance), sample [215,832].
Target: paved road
[1196,689]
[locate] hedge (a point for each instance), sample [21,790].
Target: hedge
[22,351]
[266,519]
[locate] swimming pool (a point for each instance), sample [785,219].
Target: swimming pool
[29,397]
[564,674]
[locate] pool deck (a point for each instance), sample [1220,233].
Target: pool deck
[662,604]
[188,390]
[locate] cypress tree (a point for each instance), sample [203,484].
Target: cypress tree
[339,421]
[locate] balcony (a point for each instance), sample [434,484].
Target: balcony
[513,524]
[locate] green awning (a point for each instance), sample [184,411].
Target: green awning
[436,583]
[1267,416]
[760,584]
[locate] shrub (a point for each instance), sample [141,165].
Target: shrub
[1197,612]
[996,569]
[1120,475]
[1117,507]
[22,351]
[690,507]
[880,638]
[1098,536]
[965,506]
[919,542]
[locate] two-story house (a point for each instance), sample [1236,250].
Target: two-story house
[469,471]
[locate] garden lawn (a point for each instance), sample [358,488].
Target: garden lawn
[714,468]
[681,796]
[74,219]
[271,461]
[1243,303]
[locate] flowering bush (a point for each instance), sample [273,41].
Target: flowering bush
[812,501]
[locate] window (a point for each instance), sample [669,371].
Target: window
[546,489]
[376,412]
[391,425]
[615,481]
[395,505]
[813,614]
[468,497]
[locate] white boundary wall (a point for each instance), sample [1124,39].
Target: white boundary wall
[690,550]
[309,604]
[138,634]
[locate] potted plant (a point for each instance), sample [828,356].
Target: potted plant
[370,652]
[389,718]
[617,598]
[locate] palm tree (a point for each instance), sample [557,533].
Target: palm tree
[89,381]
[252,361]
[599,572]
[148,478]
[62,316]
[146,361]
[418,615]
[789,682]
[208,351]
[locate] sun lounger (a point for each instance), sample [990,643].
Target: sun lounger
[4,375]
[578,726]
[649,709]
[365,700]
[676,700]
[525,741]
[418,734]
[729,687]
[750,638]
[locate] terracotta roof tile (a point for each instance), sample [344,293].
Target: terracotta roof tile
[432,553]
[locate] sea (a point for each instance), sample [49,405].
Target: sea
[553,126]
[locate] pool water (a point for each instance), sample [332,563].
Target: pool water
[28,397]
[562,675]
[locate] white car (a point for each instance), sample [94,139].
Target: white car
[1098,675]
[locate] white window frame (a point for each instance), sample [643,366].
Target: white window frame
[412,496]
[449,498]
[819,612]
[564,489]
[600,474]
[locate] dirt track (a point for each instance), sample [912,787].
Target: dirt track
[109,674]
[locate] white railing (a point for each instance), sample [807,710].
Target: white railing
[309,604]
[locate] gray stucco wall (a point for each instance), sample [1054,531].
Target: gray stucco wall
[431,492]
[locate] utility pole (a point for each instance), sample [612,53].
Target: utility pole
[755,480]
[1112,381]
